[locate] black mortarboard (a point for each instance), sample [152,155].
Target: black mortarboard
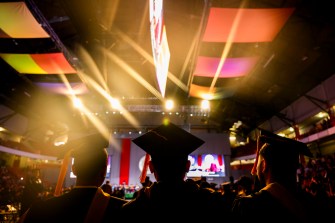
[168,140]
[280,150]
[284,145]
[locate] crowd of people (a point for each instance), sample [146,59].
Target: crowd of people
[281,188]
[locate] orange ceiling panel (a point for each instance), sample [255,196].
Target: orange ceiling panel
[16,21]
[205,92]
[245,25]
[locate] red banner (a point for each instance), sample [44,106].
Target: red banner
[125,161]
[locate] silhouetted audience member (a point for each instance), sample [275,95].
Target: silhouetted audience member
[86,201]
[245,186]
[32,191]
[107,187]
[226,199]
[279,200]
[171,196]
[147,182]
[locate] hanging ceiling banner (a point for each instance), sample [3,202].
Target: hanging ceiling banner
[16,21]
[46,63]
[232,67]
[248,25]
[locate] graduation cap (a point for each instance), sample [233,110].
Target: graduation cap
[166,141]
[84,147]
[280,150]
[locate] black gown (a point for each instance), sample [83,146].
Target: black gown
[274,204]
[179,201]
[71,207]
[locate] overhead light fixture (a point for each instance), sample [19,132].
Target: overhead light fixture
[115,103]
[205,104]
[169,104]
[61,140]
[77,103]
[321,114]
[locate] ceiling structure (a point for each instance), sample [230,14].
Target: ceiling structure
[109,43]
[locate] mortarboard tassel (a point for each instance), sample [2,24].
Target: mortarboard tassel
[145,168]
[62,173]
[254,168]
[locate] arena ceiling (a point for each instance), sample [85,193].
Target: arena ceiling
[109,43]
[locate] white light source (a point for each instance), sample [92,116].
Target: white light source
[321,114]
[115,103]
[169,104]
[61,140]
[77,103]
[205,104]
[232,138]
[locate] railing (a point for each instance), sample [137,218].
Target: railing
[319,135]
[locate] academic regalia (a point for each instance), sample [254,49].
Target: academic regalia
[71,207]
[281,200]
[170,197]
[274,204]
[90,157]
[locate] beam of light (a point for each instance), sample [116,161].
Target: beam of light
[150,59]
[177,82]
[100,126]
[103,92]
[71,94]
[89,81]
[226,49]
[93,84]
[108,97]
[133,74]
[195,43]
[109,13]
[93,67]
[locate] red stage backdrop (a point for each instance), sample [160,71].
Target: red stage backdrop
[125,161]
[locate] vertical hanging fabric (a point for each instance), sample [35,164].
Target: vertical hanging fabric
[199,160]
[220,160]
[254,167]
[145,168]
[125,161]
[62,173]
